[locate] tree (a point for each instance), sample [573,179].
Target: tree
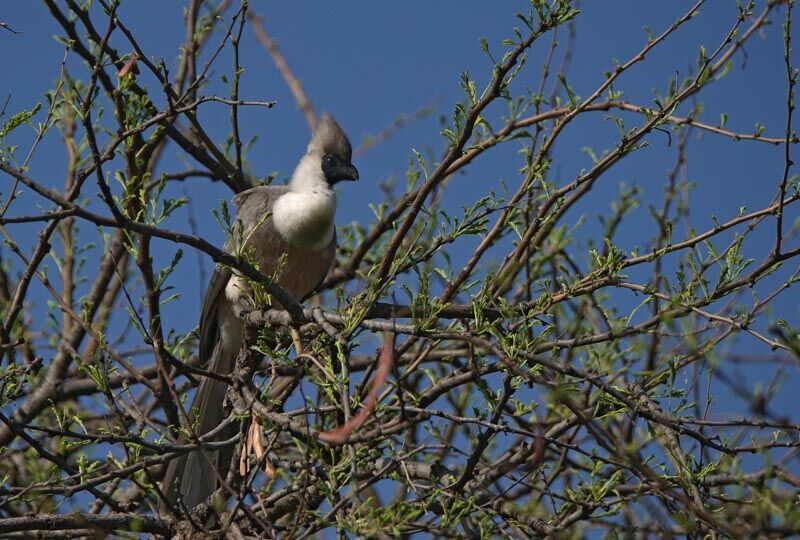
[546,376]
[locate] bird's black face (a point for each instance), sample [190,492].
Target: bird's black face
[337,169]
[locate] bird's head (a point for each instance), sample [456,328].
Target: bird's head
[331,146]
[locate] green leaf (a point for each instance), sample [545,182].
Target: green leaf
[18,119]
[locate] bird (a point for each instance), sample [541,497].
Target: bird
[289,232]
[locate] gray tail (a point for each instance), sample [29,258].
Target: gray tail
[193,477]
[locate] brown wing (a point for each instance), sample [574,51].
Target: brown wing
[301,271]
[215,295]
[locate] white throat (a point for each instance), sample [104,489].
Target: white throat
[304,215]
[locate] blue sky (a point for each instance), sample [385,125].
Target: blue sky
[367,62]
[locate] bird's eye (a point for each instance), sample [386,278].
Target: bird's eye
[328,159]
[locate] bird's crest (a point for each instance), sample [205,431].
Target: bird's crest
[329,138]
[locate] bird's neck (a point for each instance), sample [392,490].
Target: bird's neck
[304,215]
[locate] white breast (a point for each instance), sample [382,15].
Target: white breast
[305,218]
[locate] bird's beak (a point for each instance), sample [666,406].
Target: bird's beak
[343,171]
[349,172]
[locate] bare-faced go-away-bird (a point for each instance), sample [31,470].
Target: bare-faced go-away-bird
[289,233]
